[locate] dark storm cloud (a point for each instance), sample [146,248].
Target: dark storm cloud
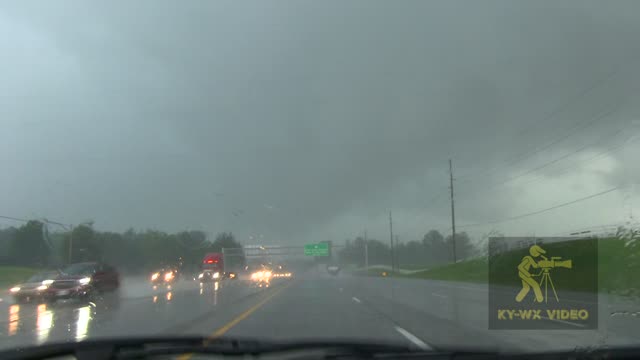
[173,115]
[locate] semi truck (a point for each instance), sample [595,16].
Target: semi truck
[213,268]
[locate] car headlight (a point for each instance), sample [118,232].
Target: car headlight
[14,289]
[200,276]
[267,274]
[42,287]
[168,276]
[47,282]
[216,275]
[84,281]
[155,276]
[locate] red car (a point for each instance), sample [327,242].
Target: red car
[82,281]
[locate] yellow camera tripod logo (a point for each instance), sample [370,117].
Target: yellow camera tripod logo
[528,280]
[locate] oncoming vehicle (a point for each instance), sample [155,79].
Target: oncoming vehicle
[35,287]
[164,277]
[214,263]
[333,269]
[83,281]
[281,271]
[208,275]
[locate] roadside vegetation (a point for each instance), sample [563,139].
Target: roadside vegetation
[10,275]
[31,245]
[617,269]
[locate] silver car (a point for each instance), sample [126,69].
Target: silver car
[35,287]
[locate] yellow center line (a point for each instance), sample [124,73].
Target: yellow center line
[221,331]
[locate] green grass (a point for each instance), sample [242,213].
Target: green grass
[10,275]
[617,270]
[471,271]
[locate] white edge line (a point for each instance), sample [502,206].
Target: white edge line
[563,322]
[439,295]
[356,300]
[419,343]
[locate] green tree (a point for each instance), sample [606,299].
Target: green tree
[226,240]
[86,245]
[435,249]
[28,246]
[464,246]
[353,252]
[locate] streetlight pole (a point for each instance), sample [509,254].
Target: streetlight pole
[393,263]
[366,251]
[70,243]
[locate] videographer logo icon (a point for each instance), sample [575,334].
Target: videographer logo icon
[545,265]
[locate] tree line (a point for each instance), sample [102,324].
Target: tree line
[434,249]
[32,245]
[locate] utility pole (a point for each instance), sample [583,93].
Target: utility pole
[366,251]
[393,262]
[453,213]
[397,255]
[70,243]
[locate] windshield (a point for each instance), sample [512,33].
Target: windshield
[441,174]
[79,269]
[43,276]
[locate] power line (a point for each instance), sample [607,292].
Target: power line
[551,162]
[542,166]
[601,154]
[13,218]
[540,211]
[578,126]
[27,220]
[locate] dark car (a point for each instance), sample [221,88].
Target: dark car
[35,287]
[83,280]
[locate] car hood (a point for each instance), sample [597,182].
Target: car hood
[29,285]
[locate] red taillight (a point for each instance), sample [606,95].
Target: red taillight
[209,261]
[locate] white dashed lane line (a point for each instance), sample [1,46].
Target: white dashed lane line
[356,300]
[413,339]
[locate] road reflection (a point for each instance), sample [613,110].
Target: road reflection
[44,323]
[82,324]
[14,318]
[210,292]
[40,320]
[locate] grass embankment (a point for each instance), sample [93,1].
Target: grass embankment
[617,269]
[10,275]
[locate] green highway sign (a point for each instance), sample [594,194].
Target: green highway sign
[321,249]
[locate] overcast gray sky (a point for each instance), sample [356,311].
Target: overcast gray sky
[304,121]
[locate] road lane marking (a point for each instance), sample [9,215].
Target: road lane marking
[563,321]
[414,339]
[356,300]
[439,295]
[221,331]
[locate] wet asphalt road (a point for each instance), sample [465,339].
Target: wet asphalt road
[313,305]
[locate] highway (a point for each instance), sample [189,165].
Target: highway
[313,305]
